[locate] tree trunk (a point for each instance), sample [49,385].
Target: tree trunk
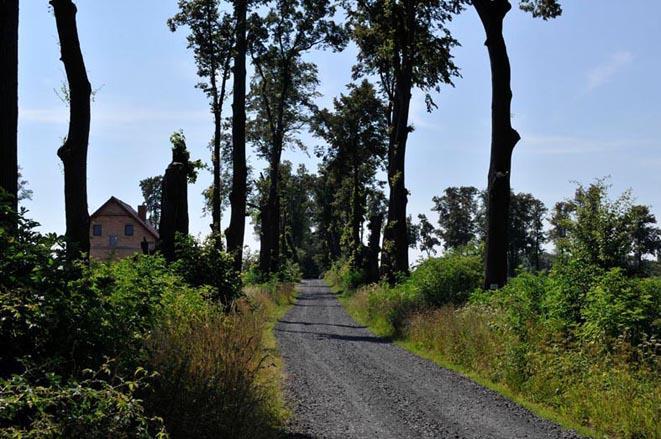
[372,257]
[74,151]
[395,257]
[269,251]
[356,218]
[217,120]
[9,104]
[235,231]
[503,140]
[174,207]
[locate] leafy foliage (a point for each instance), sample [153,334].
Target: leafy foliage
[457,211]
[206,264]
[604,232]
[89,408]
[151,192]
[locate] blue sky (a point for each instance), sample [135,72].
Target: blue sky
[586,103]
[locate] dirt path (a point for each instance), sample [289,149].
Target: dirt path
[344,382]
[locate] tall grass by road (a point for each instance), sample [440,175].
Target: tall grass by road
[597,372]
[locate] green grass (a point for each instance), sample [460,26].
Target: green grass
[275,302]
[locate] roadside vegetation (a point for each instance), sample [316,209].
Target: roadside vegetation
[577,342]
[134,348]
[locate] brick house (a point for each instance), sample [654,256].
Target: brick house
[118,231]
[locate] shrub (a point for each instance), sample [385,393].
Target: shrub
[343,277]
[570,282]
[289,272]
[90,408]
[206,263]
[617,305]
[448,279]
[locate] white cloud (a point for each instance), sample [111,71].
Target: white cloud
[605,72]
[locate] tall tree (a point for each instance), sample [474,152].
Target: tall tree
[9,101]
[211,39]
[503,137]
[526,231]
[238,196]
[73,152]
[151,188]
[356,132]
[457,216]
[405,44]
[282,93]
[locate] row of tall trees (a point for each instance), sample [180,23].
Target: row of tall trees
[403,45]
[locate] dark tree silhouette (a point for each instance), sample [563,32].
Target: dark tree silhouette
[236,230]
[282,95]
[74,151]
[503,137]
[174,196]
[211,39]
[9,101]
[406,45]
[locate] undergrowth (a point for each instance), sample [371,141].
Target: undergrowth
[578,345]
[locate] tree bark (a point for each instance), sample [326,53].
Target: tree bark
[235,231]
[74,151]
[174,206]
[269,252]
[373,249]
[217,120]
[395,257]
[503,140]
[356,217]
[9,104]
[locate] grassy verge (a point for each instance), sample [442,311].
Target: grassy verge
[596,394]
[275,300]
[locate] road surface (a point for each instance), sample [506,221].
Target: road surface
[344,382]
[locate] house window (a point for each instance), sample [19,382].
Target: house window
[128,230]
[97,230]
[112,241]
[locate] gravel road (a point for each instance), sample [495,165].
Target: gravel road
[344,382]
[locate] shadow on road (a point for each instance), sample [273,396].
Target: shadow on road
[328,336]
[288,322]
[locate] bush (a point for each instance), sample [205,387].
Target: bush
[206,263]
[289,272]
[448,279]
[90,408]
[343,277]
[620,306]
